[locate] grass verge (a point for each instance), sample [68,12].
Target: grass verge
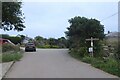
[110,65]
[11,56]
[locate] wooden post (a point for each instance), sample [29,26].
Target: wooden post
[92,39]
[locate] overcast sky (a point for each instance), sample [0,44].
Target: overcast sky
[50,19]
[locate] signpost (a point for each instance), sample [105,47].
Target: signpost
[91,48]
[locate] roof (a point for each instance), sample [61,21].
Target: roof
[27,38]
[113,34]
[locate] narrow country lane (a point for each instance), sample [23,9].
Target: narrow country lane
[53,63]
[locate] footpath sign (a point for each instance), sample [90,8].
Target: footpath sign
[91,48]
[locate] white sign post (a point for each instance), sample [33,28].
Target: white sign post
[91,48]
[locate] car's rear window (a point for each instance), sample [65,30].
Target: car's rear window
[30,44]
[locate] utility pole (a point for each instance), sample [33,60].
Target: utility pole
[91,48]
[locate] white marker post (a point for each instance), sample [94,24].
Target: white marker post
[91,48]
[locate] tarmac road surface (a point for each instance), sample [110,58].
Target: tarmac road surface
[53,63]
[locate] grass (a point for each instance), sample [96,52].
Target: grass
[110,65]
[10,47]
[10,52]
[10,56]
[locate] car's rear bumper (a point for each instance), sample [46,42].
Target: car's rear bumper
[30,49]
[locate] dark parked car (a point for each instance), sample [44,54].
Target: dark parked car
[30,47]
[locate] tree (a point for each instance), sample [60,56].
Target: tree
[82,28]
[12,16]
[39,41]
[22,37]
[38,38]
[52,41]
[62,42]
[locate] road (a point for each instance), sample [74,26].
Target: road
[53,63]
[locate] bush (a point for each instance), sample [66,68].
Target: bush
[91,60]
[10,47]
[10,53]
[54,46]
[117,51]
[15,56]
[83,51]
[87,59]
[98,49]
[45,46]
[74,53]
[48,46]
[79,52]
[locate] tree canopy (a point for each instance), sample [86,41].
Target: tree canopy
[12,16]
[82,28]
[85,28]
[39,38]
[50,42]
